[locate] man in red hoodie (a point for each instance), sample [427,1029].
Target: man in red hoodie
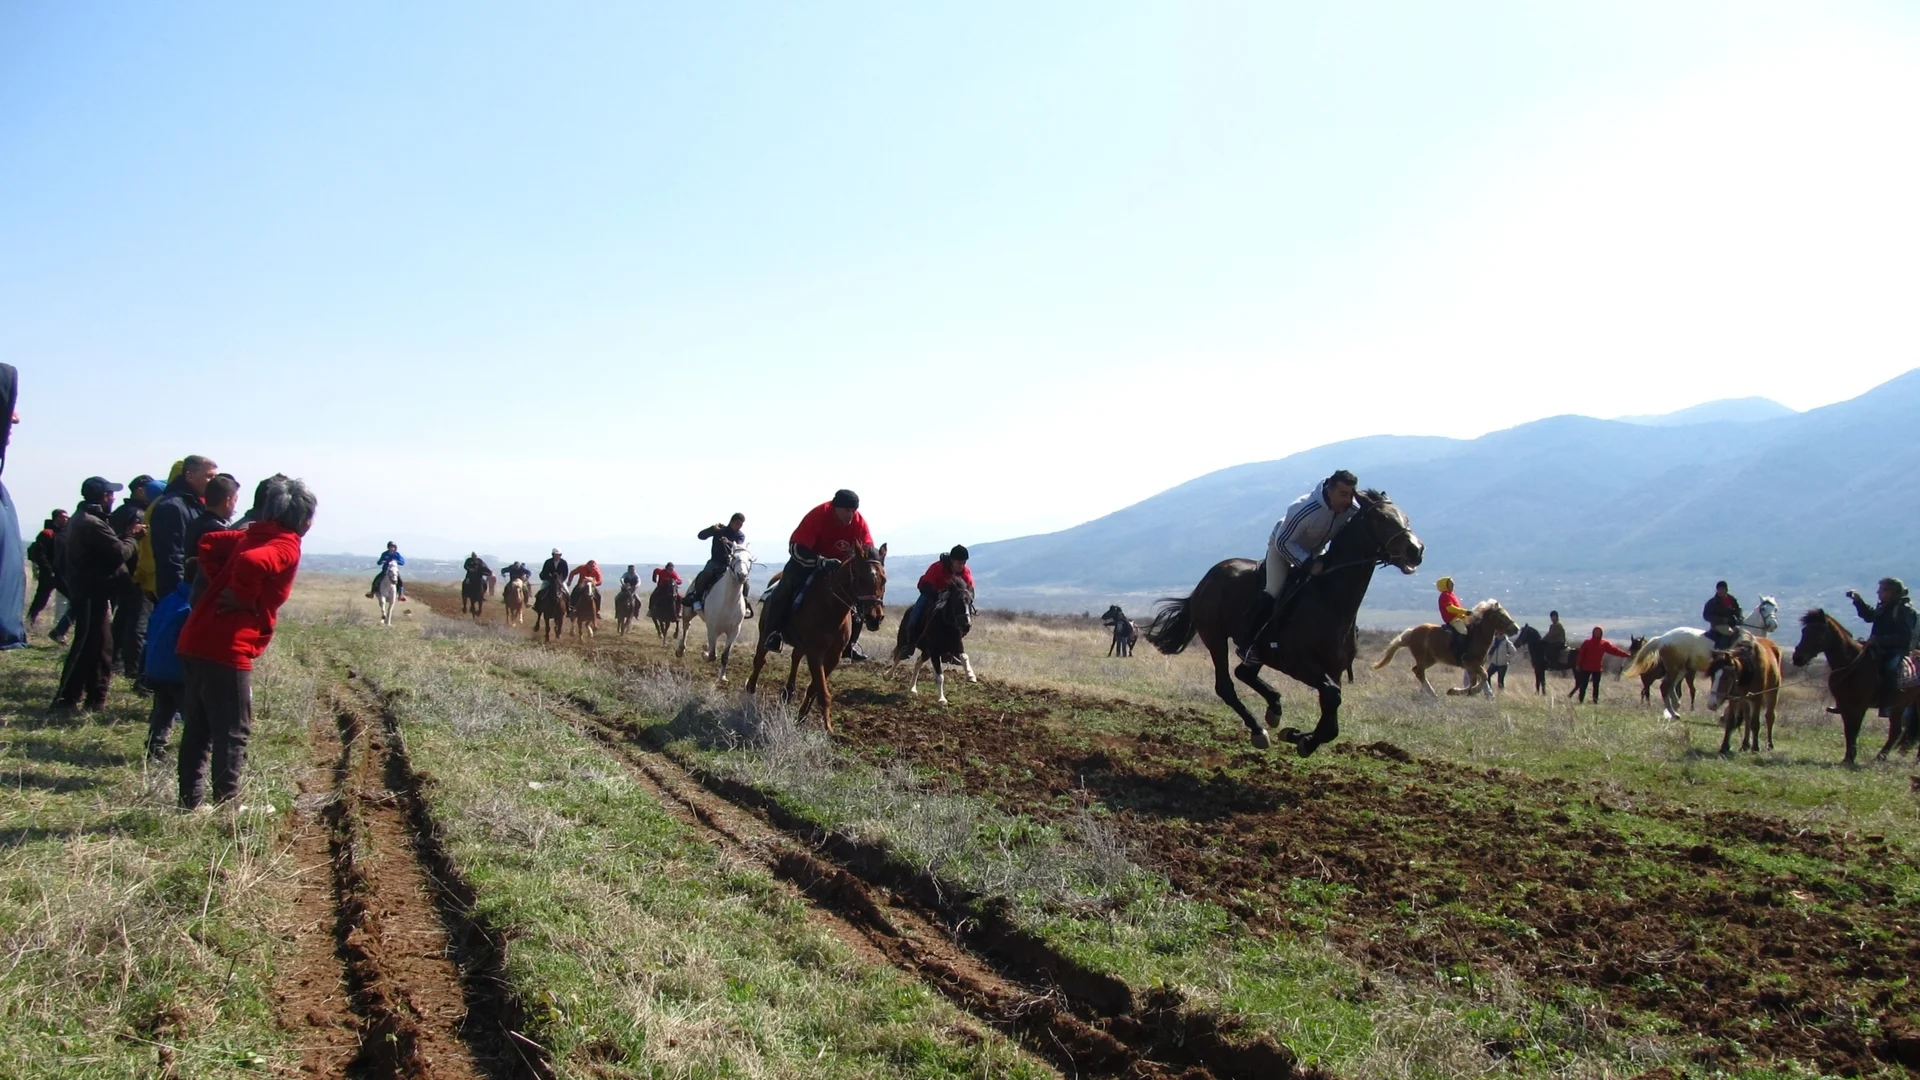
[1588,662]
[249,574]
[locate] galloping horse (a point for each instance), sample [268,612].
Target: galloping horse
[474,590]
[1316,637]
[514,596]
[1746,679]
[1430,645]
[1681,651]
[1537,651]
[1853,680]
[583,607]
[723,609]
[663,607]
[821,626]
[942,638]
[387,591]
[549,611]
[1124,632]
[626,606]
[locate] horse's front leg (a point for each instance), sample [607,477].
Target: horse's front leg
[913,681]
[939,681]
[1850,723]
[793,675]
[1420,676]
[968,663]
[1477,681]
[1329,727]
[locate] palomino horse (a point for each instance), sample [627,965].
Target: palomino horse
[1545,658]
[1853,679]
[583,607]
[387,591]
[1746,679]
[821,626]
[723,609]
[514,596]
[1316,637]
[1430,645]
[941,637]
[474,590]
[1124,632]
[626,606]
[1681,652]
[663,607]
[549,610]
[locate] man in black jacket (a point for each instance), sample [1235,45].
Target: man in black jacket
[1722,615]
[94,568]
[725,538]
[174,516]
[46,573]
[1895,625]
[130,603]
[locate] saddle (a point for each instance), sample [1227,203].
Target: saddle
[1909,672]
[1267,612]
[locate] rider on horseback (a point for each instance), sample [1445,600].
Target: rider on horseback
[666,574]
[1453,615]
[1722,615]
[630,580]
[830,534]
[1297,541]
[933,585]
[1895,625]
[517,571]
[391,555]
[477,565]
[725,538]
[588,571]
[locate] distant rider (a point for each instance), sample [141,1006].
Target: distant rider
[391,555]
[1555,639]
[933,585]
[725,538]
[1722,615]
[518,571]
[477,565]
[554,571]
[588,571]
[669,576]
[630,580]
[1453,615]
[1893,634]
[1297,541]
[830,534]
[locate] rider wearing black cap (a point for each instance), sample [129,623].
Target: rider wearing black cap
[725,538]
[830,534]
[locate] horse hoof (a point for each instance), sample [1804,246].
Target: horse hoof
[940,701]
[1260,740]
[1288,734]
[1306,747]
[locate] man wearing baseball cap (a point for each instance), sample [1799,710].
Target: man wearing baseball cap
[95,569]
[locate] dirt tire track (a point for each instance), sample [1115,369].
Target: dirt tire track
[1084,1023]
[429,1000]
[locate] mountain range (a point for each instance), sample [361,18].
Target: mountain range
[1625,522]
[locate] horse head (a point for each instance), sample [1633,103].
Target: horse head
[1527,637]
[1491,613]
[1635,642]
[1768,613]
[740,561]
[1113,615]
[1379,533]
[867,572]
[1816,636]
[1724,673]
[959,607]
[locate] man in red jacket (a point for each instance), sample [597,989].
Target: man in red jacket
[829,535]
[1588,662]
[249,575]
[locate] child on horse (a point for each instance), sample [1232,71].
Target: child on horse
[1453,615]
[830,534]
[933,585]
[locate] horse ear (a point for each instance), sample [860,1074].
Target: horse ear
[881,556]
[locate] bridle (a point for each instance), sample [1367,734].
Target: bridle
[1380,556]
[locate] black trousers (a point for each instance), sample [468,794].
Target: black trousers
[88,670]
[130,612]
[779,605]
[167,697]
[216,720]
[1584,679]
[42,592]
[1497,674]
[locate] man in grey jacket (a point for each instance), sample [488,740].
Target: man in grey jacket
[1296,542]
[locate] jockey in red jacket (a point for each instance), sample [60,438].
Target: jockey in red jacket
[829,535]
[933,584]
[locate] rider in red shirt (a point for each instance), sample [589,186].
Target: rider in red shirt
[933,584]
[666,573]
[586,571]
[829,535]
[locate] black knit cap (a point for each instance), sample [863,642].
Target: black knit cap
[959,552]
[846,499]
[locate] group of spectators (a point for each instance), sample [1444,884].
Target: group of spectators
[169,589]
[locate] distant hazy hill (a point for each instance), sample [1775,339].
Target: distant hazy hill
[1732,410]
[1627,523]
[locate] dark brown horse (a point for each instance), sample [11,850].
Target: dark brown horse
[549,610]
[1316,633]
[626,606]
[474,590]
[819,629]
[1853,679]
[663,607]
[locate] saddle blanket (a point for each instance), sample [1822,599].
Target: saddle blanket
[1910,671]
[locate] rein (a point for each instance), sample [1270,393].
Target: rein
[1379,556]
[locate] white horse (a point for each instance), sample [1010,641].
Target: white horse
[1679,651]
[723,609]
[387,591]
[1765,618]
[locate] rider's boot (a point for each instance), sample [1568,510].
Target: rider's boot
[1255,630]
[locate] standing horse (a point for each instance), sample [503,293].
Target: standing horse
[1853,679]
[1746,679]
[1430,645]
[1681,651]
[474,590]
[1124,632]
[663,607]
[821,626]
[583,607]
[387,590]
[1561,658]
[1316,635]
[941,637]
[514,596]
[1765,617]
[723,609]
[626,606]
[549,611]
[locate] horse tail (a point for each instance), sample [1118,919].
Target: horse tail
[1172,626]
[1643,660]
[1393,647]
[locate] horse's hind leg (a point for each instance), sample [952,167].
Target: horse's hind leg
[939,681]
[913,681]
[1223,686]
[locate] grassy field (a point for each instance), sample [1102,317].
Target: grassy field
[489,857]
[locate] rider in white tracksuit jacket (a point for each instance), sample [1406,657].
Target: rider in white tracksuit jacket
[1309,526]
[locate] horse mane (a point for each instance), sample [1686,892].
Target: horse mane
[1374,497]
[1813,616]
[1481,608]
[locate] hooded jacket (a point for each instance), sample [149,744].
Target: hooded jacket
[1310,525]
[258,565]
[13,563]
[1894,625]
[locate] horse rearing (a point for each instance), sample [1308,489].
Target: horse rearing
[820,627]
[1316,637]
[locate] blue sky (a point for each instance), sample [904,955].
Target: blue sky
[494,276]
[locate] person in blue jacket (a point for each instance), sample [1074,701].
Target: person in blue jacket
[13,558]
[163,672]
[391,555]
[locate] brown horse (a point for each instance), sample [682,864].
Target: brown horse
[821,626]
[1317,617]
[474,590]
[626,606]
[583,607]
[549,611]
[514,596]
[663,607]
[1658,674]
[1745,678]
[1853,679]
[1431,645]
